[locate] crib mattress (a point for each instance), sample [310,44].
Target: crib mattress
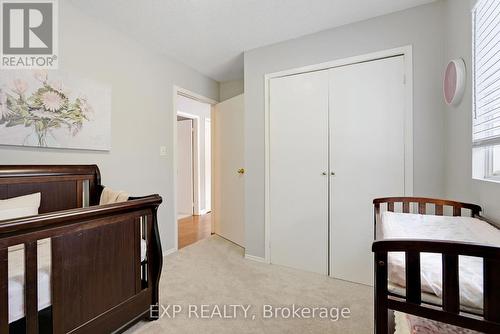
[16,278]
[463,229]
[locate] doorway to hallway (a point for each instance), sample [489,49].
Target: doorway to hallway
[194,169]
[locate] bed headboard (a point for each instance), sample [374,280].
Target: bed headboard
[62,186]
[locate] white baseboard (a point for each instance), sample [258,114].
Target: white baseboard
[169,251]
[255,258]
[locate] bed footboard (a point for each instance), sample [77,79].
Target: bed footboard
[424,206]
[99,282]
[449,312]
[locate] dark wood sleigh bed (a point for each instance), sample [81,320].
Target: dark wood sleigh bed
[449,310]
[99,283]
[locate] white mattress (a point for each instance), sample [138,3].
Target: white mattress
[16,278]
[465,229]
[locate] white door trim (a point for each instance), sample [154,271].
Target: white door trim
[187,93]
[407,52]
[208,176]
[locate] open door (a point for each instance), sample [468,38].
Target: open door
[185,185]
[229,170]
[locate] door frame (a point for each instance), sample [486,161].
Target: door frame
[209,176]
[177,90]
[407,52]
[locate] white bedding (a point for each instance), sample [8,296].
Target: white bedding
[410,324]
[16,278]
[465,229]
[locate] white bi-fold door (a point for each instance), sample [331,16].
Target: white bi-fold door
[298,122]
[367,155]
[336,141]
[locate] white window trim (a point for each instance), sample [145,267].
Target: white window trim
[490,174]
[486,171]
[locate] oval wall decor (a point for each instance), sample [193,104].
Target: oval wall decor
[454,82]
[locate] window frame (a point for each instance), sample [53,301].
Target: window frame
[486,172]
[490,172]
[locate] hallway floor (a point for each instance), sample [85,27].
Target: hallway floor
[194,228]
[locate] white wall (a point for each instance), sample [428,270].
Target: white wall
[458,120]
[229,89]
[202,110]
[421,27]
[142,110]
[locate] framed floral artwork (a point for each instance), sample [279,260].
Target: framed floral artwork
[52,109]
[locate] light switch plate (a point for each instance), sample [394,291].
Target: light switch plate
[163,151]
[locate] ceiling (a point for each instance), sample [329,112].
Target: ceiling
[211,35]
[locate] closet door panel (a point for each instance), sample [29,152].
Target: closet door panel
[298,158]
[367,143]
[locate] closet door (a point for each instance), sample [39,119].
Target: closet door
[298,171]
[367,122]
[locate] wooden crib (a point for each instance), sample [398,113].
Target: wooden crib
[449,310]
[99,283]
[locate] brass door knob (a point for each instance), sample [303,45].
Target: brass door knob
[241,171]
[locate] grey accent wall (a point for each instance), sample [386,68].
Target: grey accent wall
[421,27]
[229,89]
[142,110]
[458,120]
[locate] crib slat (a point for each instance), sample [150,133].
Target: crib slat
[79,193]
[31,287]
[413,294]
[406,207]
[4,293]
[439,210]
[137,238]
[390,206]
[491,272]
[381,311]
[421,208]
[376,217]
[451,296]
[457,211]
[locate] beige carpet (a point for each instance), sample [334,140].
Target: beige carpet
[214,272]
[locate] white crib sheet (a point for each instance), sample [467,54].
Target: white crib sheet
[465,229]
[16,278]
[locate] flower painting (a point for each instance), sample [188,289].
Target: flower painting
[49,109]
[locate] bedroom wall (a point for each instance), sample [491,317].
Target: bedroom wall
[229,89]
[421,27]
[458,120]
[142,110]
